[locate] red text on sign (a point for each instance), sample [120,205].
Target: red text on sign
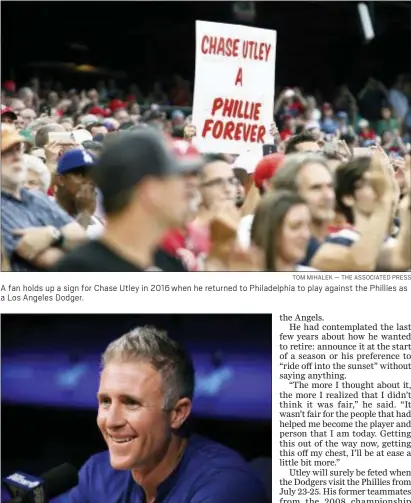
[240,109]
[258,51]
[239,78]
[237,131]
[233,47]
[220,46]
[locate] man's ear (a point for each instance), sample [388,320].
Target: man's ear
[57,180]
[180,413]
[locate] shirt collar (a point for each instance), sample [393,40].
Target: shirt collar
[167,484]
[25,196]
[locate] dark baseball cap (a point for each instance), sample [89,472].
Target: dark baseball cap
[135,155]
[73,160]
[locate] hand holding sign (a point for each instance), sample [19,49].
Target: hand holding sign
[190,131]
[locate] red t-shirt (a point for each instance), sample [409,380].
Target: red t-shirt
[285,134]
[367,135]
[190,245]
[336,228]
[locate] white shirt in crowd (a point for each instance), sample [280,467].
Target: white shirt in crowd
[244,231]
[95,229]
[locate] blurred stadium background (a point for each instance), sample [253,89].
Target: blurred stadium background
[320,44]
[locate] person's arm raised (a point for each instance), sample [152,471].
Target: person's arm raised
[279,102]
[362,256]
[397,257]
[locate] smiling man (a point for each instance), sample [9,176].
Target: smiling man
[144,401]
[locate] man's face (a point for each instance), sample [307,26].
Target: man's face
[72,182]
[19,123]
[53,98]
[28,98]
[170,199]
[386,113]
[218,184]
[93,96]
[122,116]
[135,109]
[13,172]
[316,187]
[131,416]
[28,115]
[178,120]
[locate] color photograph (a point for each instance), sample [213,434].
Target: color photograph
[136,408]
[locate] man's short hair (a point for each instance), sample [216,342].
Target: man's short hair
[91,125]
[286,178]
[294,141]
[39,123]
[347,177]
[209,158]
[148,344]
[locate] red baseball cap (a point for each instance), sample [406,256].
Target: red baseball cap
[9,86]
[266,168]
[97,111]
[116,104]
[186,153]
[9,111]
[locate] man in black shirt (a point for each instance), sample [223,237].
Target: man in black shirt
[144,194]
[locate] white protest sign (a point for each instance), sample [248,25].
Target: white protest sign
[233,100]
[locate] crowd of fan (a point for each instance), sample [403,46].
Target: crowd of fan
[107,182]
